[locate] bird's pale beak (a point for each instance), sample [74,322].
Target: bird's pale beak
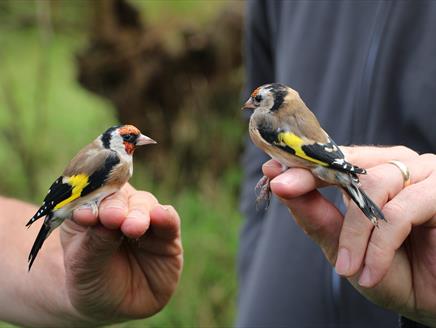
[249,105]
[144,140]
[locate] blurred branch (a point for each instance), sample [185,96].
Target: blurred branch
[16,140]
[42,81]
[13,132]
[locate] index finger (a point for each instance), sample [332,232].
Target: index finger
[165,222]
[137,220]
[369,156]
[113,210]
[292,182]
[296,181]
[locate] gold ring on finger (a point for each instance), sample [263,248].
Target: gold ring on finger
[404,172]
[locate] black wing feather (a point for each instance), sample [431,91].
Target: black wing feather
[331,154]
[318,152]
[328,153]
[98,178]
[60,191]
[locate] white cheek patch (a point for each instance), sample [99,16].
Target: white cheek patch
[117,143]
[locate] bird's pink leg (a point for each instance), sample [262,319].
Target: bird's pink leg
[263,190]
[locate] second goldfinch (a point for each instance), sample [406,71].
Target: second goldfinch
[289,132]
[97,171]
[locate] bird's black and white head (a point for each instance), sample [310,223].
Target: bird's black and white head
[124,139]
[267,98]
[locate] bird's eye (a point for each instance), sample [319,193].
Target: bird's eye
[258,98]
[129,137]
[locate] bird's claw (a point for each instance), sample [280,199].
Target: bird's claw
[93,206]
[263,192]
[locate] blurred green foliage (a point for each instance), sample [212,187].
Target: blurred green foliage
[185,10]
[46,117]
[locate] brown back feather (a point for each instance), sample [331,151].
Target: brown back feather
[88,160]
[305,122]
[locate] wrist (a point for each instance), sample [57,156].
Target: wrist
[39,297]
[50,305]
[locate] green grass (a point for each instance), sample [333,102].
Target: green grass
[55,128]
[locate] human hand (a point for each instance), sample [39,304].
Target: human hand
[110,277]
[393,265]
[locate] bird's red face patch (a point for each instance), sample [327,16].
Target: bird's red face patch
[129,134]
[129,147]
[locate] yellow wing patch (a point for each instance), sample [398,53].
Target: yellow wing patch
[78,183]
[295,142]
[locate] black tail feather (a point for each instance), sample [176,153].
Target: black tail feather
[28,224]
[42,235]
[368,207]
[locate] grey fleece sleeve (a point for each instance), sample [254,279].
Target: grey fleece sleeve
[259,70]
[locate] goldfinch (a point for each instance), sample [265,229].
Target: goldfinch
[97,171]
[283,127]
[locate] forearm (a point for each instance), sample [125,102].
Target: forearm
[38,297]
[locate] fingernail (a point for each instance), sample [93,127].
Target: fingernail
[365,277]
[164,207]
[284,180]
[343,261]
[271,164]
[135,214]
